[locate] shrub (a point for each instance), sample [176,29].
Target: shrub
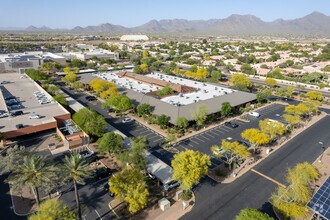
[219,172]
[186,195]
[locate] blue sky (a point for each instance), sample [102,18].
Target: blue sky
[130,13]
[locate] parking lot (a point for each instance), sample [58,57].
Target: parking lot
[204,141]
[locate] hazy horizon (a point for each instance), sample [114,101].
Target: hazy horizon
[69,14]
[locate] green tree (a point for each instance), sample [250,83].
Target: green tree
[134,155]
[271,82]
[172,65]
[193,68]
[182,122]
[284,92]
[170,138]
[216,75]
[77,85]
[200,114]
[292,200]
[75,168]
[267,92]
[255,137]
[165,91]
[252,214]
[260,97]
[241,82]
[53,209]
[34,171]
[91,122]
[129,186]
[143,109]
[111,142]
[247,69]
[225,109]
[61,99]
[120,102]
[137,70]
[189,167]
[232,152]
[162,120]
[78,63]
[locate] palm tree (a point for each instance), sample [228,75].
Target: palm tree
[76,168]
[34,171]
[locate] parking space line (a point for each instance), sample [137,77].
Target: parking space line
[219,131]
[195,141]
[212,131]
[225,129]
[206,133]
[144,131]
[199,138]
[97,213]
[240,122]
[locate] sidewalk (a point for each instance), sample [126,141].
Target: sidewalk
[246,166]
[175,211]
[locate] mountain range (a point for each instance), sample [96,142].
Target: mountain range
[315,23]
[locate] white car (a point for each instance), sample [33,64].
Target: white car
[3,115]
[85,154]
[254,114]
[126,120]
[34,116]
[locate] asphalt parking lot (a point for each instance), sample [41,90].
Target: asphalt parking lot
[204,141]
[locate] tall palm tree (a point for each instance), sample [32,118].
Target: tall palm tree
[76,169]
[34,171]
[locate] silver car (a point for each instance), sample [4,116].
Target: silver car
[34,116]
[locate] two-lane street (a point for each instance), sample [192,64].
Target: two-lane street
[224,201]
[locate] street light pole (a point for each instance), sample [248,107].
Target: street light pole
[323,149]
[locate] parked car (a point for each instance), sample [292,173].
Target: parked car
[86,153]
[102,173]
[107,189]
[9,97]
[4,82]
[254,114]
[3,115]
[231,124]
[127,120]
[13,107]
[90,98]
[244,143]
[18,126]
[34,116]
[171,185]
[16,113]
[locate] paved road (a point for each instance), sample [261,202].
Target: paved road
[224,201]
[204,141]
[93,197]
[132,129]
[6,207]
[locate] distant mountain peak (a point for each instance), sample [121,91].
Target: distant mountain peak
[313,23]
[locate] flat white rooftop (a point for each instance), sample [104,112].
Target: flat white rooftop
[125,82]
[203,91]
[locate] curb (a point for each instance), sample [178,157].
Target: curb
[280,146]
[110,207]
